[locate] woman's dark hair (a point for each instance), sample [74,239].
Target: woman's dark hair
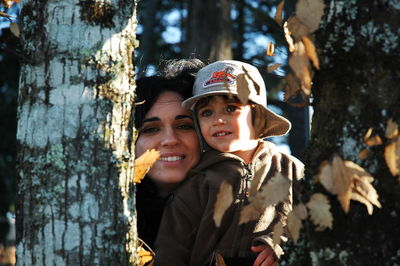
[177,76]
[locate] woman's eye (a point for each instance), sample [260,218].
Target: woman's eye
[206,113]
[231,108]
[186,126]
[149,130]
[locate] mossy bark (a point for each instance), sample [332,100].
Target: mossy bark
[75,154]
[356,89]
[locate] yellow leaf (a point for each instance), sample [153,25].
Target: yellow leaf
[14,28]
[278,14]
[319,209]
[299,63]
[144,255]
[310,51]
[392,156]
[278,231]
[219,260]
[224,200]
[310,12]
[243,88]
[288,37]
[392,129]
[300,211]
[372,140]
[270,49]
[143,164]
[275,191]
[297,28]
[273,67]
[292,87]
[294,225]
[363,154]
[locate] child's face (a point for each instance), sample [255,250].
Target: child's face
[226,125]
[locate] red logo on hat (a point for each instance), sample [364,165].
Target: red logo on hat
[221,76]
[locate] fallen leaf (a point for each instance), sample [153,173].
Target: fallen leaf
[270,49]
[392,129]
[310,13]
[363,154]
[273,67]
[243,88]
[275,191]
[319,209]
[310,51]
[297,28]
[14,28]
[294,226]
[219,260]
[392,156]
[278,231]
[278,14]
[224,200]
[299,63]
[143,164]
[288,37]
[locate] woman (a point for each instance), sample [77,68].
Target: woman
[166,126]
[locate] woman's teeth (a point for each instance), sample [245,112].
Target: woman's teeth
[171,158]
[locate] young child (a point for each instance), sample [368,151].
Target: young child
[234,131]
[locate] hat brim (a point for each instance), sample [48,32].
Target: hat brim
[191,102]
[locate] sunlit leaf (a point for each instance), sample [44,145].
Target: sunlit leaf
[319,209]
[294,225]
[363,154]
[292,87]
[392,156]
[392,129]
[300,211]
[310,12]
[288,38]
[143,164]
[310,51]
[144,255]
[224,200]
[296,28]
[278,231]
[372,140]
[299,63]
[278,14]
[219,260]
[270,49]
[273,67]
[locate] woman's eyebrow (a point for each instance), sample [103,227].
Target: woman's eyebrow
[183,117]
[151,119]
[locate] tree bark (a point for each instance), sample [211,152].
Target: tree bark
[210,30]
[356,89]
[75,204]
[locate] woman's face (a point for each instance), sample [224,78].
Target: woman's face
[169,128]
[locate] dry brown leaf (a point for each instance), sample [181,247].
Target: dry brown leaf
[275,191]
[294,226]
[270,49]
[299,63]
[392,129]
[319,209]
[297,28]
[143,164]
[371,140]
[288,37]
[363,154]
[278,231]
[325,177]
[243,88]
[310,51]
[224,200]
[14,28]
[364,188]
[342,181]
[219,260]
[310,13]
[278,14]
[300,211]
[292,87]
[273,67]
[392,156]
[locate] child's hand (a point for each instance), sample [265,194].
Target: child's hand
[266,256]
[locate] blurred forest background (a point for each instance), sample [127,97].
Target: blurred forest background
[355,90]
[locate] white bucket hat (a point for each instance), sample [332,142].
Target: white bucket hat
[220,78]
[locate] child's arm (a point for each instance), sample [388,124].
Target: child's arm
[266,256]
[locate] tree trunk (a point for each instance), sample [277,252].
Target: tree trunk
[75,204]
[356,89]
[210,30]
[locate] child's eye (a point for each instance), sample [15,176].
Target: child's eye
[206,113]
[231,108]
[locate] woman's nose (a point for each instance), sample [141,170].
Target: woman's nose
[169,138]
